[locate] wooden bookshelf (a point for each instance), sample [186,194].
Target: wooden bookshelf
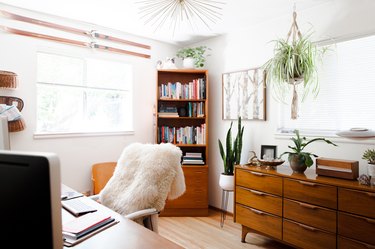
[191,102]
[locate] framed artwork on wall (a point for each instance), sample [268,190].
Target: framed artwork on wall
[268,152]
[244,94]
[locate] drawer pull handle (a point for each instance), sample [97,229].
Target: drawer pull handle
[257,192]
[307,183]
[257,211]
[257,173]
[307,227]
[369,246]
[371,194]
[370,221]
[307,206]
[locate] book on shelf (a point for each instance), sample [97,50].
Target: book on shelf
[193,162]
[193,154]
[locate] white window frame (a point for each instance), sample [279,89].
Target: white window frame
[85,55]
[287,133]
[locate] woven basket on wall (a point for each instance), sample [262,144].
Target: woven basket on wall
[8,79]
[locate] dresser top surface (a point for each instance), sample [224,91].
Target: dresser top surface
[308,175]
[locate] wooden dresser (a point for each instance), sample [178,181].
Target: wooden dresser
[304,210]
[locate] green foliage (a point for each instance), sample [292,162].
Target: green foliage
[297,59]
[232,154]
[298,149]
[369,155]
[197,53]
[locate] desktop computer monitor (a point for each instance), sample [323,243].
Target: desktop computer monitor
[30,199]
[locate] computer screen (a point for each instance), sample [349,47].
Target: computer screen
[30,199]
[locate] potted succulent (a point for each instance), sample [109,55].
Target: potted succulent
[292,64]
[299,159]
[193,57]
[369,156]
[231,156]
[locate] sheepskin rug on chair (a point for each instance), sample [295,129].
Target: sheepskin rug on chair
[144,177]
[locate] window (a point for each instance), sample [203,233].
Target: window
[346,98]
[82,95]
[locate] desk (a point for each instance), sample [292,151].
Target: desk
[125,234]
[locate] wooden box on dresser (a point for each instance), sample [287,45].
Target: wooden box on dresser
[304,210]
[186,91]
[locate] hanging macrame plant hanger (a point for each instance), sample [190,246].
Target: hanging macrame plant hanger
[295,34]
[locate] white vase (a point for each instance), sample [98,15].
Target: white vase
[226,182]
[188,62]
[371,173]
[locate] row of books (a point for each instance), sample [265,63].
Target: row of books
[182,135]
[195,89]
[86,226]
[193,109]
[192,158]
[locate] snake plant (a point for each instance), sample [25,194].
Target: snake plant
[232,153]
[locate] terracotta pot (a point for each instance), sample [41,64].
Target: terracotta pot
[297,163]
[226,182]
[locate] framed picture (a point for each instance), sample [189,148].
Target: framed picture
[268,152]
[244,94]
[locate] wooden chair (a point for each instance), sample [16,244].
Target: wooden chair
[100,174]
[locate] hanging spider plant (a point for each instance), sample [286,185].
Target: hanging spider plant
[294,63]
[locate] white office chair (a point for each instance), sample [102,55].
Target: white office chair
[146,175]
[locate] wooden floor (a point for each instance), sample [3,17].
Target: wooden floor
[205,232]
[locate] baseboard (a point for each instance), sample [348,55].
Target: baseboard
[220,210]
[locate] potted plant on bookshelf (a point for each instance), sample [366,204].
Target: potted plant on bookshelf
[369,156]
[300,160]
[193,57]
[231,156]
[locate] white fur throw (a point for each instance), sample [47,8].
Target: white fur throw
[144,177]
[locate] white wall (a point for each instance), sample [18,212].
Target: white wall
[77,154]
[251,48]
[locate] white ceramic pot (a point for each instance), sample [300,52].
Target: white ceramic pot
[226,182]
[188,62]
[371,173]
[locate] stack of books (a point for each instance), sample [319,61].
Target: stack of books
[192,158]
[86,226]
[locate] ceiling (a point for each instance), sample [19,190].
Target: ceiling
[124,15]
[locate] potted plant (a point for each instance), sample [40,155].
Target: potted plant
[369,156]
[193,57]
[231,156]
[292,64]
[299,159]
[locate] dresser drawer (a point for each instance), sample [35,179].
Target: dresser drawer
[345,243]
[311,215]
[260,221]
[259,181]
[357,202]
[356,227]
[307,237]
[259,200]
[311,192]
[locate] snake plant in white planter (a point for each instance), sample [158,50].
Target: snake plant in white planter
[230,156]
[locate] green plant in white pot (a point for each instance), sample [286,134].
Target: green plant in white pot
[369,156]
[231,156]
[196,55]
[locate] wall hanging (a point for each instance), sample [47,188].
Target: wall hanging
[293,64]
[244,94]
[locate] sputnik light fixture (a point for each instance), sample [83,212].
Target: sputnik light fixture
[159,13]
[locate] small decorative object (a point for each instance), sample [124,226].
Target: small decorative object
[195,55]
[364,180]
[159,64]
[232,153]
[169,64]
[244,93]
[294,63]
[298,159]
[356,133]
[253,159]
[369,156]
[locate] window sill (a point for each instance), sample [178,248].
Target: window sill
[80,134]
[329,135]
